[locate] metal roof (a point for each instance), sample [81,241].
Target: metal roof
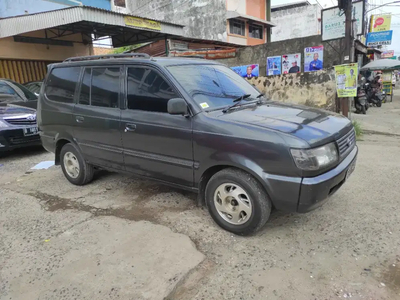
[290,5]
[230,14]
[92,20]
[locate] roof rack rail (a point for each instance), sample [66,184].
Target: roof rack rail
[107,56]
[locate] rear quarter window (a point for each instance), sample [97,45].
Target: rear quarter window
[61,84]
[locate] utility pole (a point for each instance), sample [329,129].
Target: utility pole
[349,48]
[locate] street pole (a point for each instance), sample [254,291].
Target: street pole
[349,48]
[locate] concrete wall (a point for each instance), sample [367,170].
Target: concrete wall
[311,88]
[204,19]
[296,22]
[9,8]
[13,50]
[316,89]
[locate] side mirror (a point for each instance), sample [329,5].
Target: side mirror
[177,106]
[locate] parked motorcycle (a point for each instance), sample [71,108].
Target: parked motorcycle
[374,96]
[360,102]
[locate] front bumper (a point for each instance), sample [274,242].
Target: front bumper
[293,194]
[14,138]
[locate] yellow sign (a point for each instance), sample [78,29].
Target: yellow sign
[142,23]
[387,82]
[380,23]
[346,80]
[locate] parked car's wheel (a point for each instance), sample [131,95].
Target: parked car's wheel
[74,167]
[237,201]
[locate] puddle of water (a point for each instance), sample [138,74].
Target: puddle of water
[391,277]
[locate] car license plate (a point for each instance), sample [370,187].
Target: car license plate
[30,131]
[350,169]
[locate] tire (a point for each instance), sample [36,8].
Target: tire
[254,200]
[379,104]
[71,155]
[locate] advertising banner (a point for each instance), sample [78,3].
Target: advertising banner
[387,54]
[380,23]
[333,21]
[346,80]
[379,38]
[274,65]
[313,58]
[142,23]
[387,82]
[291,63]
[247,71]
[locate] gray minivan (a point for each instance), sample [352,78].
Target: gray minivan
[196,125]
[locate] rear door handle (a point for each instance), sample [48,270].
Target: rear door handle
[130,127]
[79,119]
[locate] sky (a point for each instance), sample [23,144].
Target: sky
[394,9]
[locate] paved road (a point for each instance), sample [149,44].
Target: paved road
[124,238]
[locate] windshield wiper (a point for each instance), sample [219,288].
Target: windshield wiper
[237,101]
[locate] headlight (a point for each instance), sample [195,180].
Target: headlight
[3,124]
[315,159]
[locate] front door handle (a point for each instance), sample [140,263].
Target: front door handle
[79,119]
[130,127]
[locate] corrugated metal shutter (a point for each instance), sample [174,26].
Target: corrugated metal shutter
[23,70]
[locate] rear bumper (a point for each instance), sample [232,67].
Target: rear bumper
[14,138]
[295,194]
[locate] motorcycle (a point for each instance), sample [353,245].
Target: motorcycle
[374,96]
[360,102]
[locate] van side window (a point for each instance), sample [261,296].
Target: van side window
[60,85]
[84,97]
[105,87]
[148,91]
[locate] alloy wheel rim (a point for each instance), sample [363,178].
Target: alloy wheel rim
[232,203]
[71,165]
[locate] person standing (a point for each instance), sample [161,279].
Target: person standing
[316,64]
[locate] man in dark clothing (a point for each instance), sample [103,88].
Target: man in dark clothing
[295,68]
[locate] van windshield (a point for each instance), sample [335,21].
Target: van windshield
[212,86]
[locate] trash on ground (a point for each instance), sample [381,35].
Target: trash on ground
[43,165]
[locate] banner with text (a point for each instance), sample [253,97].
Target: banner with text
[291,63]
[313,58]
[346,80]
[274,65]
[380,23]
[379,38]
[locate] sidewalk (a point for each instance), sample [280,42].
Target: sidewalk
[384,120]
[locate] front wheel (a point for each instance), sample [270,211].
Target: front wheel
[237,201]
[379,104]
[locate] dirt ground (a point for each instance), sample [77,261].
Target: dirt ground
[124,238]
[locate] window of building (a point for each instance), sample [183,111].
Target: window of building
[120,3]
[84,97]
[148,91]
[61,84]
[256,31]
[237,27]
[105,87]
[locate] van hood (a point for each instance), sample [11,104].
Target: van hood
[8,110]
[314,126]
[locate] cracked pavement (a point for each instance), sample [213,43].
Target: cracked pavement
[125,238]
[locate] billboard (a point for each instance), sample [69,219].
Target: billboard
[313,58]
[333,21]
[247,71]
[291,63]
[274,65]
[387,54]
[379,38]
[380,23]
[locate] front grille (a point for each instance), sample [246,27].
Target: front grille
[347,142]
[20,121]
[24,139]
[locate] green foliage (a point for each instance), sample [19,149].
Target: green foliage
[126,48]
[358,129]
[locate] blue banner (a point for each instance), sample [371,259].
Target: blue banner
[247,71]
[379,38]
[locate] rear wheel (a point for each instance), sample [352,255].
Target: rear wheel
[379,104]
[74,167]
[237,201]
